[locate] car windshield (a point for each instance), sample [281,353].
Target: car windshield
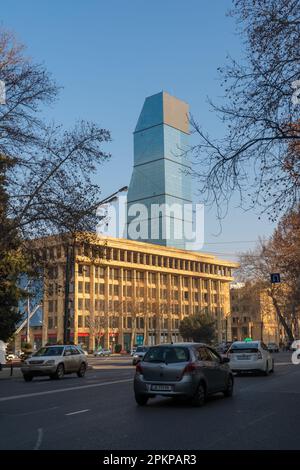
[244,348]
[168,355]
[51,351]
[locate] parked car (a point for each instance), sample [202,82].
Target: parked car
[190,370]
[139,354]
[55,361]
[250,356]
[273,347]
[102,352]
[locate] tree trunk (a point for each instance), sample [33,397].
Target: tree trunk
[282,320]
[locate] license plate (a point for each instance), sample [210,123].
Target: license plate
[162,388]
[243,357]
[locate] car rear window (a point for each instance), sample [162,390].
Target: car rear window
[51,351]
[169,355]
[244,348]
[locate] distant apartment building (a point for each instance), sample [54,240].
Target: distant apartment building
[126,292]
[253,314]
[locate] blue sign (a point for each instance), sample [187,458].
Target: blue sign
[275,278]
[139,340]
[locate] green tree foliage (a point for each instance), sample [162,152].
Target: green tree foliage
[199,328]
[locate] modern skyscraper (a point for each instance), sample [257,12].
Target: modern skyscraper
[160,181]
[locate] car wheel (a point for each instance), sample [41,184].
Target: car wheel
[272,370]
[59,371]
[82,370]
[141,399]
[200,396]
[28,377]
[228,392]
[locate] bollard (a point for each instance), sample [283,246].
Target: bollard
[11,368]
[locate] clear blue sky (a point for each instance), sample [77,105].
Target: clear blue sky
[110,55]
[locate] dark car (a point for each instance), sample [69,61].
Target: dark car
[191,370]
[139,354]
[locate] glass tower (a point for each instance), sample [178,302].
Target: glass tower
[159,196]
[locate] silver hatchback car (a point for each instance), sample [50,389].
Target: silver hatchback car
[191,370]
[55,361]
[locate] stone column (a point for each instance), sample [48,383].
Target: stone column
[92,308]
[60,304]
[158,310]
[169,307]
[121,309]
[106,306]
[75,299]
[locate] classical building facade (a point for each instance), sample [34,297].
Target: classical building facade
[126,292]
[253,314]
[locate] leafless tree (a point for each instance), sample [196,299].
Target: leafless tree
[258,157]
[280,254]
[46,172]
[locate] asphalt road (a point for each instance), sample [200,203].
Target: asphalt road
[99,412]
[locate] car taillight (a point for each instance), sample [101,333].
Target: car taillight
[189,368]
[138,369]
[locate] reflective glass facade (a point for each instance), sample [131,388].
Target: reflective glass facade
[160,173]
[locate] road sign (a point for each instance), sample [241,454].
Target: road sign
[275,278]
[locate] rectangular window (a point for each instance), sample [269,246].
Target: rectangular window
[87,304]
[128,291]
[80,321]
[51,290]
[80,304]
[80,287]
[87,287]
[80,269]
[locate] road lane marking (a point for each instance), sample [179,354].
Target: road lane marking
[39,439]
[76,412]
[61,390]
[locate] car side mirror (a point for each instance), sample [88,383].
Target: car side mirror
[224,360]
